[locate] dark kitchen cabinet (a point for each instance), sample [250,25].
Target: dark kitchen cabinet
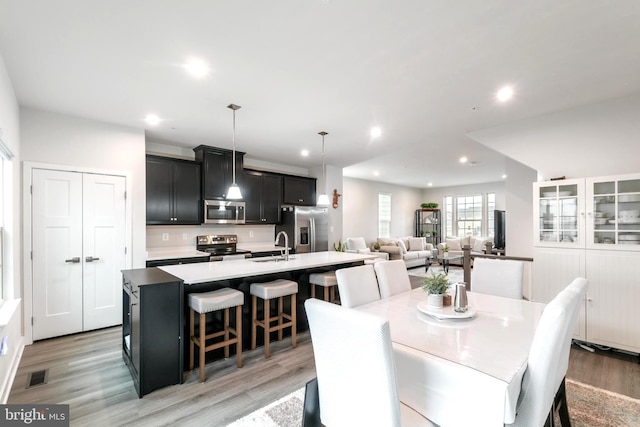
[299,190]
[152,328]
[217,170]
[262,193]
[173,191]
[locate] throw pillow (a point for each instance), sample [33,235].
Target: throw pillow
[417,243]
[478,244]
[356,243]
[403,247]
[364,251]
[454,244]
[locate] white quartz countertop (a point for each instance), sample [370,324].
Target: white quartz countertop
[171,253]
[212,271]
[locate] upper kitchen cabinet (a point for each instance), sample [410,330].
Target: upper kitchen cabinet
[262,193]
[299,190]
[173,191]
[559,213]
[613,212]
[217,170]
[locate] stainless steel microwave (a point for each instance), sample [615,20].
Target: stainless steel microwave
[223,212]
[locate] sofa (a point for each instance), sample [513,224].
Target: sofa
[455,244]
[414,251]
[358,245]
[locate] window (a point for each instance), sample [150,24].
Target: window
[384,215]
[6,171]
[491,206]
[469,215]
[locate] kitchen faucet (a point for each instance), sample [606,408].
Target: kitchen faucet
[286,244]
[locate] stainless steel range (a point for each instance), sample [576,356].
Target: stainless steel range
[221,247]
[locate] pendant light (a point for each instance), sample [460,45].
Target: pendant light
[323,199]
[234,190]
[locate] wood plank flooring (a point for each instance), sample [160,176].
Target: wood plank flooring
[87,372]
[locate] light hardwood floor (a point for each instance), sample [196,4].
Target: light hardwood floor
[87,372]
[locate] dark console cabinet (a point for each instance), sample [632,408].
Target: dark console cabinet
[217,170]
[152,328]
[299,190]
[173,191]
[262,193]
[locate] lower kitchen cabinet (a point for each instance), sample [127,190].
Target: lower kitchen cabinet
[609,315]
[152,328]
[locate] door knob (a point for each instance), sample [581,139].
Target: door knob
[74,259]
[91,259]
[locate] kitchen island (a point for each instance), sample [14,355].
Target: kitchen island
[236,274]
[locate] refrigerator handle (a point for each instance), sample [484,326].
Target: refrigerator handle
[312,234]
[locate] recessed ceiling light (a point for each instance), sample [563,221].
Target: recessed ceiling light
[376,173]
[505,94]
[152,119]
[463,159]
[376,132]
[304,153]
[197,68]
[504,176]
[430,184]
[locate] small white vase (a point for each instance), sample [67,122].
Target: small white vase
[434,300]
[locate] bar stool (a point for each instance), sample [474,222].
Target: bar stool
[328,281]
[269,290]
[206,302]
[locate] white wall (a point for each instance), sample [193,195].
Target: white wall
[87,144]
[519,207]
[12,245]
[360,211]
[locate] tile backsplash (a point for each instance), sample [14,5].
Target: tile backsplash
[170,236]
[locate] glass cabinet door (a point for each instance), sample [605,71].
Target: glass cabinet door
[614,218]
[559,213]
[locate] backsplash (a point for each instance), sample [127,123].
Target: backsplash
[172,236]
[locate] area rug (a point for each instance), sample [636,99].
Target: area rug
[588,407]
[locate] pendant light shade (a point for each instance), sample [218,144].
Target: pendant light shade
[234,191]
[323,199]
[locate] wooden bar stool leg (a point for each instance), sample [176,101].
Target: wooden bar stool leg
[313,290]
[333,294]
[293,320]
[280,317]
[191,336]
[254,320]
[202,344]
[326,293]
[239,335]
[267,322]
[226,332]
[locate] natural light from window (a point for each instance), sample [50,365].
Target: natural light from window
[384,215]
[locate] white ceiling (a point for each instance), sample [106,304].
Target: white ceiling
[426,72]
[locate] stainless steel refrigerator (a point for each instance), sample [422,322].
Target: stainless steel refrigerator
[307,228]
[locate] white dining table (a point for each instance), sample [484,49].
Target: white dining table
[460,371]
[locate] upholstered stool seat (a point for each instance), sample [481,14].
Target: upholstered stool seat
[267,291]
[328,281]
[207,302]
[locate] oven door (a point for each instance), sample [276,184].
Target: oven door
[223,212]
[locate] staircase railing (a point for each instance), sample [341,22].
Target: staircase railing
[467,257]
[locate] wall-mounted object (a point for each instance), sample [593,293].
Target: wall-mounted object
[335,198]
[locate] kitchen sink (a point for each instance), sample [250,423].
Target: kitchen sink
[271,259]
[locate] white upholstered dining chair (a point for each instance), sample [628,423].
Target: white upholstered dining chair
[357,285]
[549,358]
[393,277]
[502,278]
[356,385]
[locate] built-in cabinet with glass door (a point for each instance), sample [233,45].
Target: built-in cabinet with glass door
[591,228]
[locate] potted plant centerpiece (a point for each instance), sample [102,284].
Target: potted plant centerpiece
[376,247]
[436,286]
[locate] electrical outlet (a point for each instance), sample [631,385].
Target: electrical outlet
[165,236]
[251,233]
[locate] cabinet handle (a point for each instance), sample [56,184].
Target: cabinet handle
[74,259]
[91,259]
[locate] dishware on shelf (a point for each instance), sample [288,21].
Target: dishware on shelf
[634,213]
[629,198]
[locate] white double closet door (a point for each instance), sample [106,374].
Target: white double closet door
[78,233]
